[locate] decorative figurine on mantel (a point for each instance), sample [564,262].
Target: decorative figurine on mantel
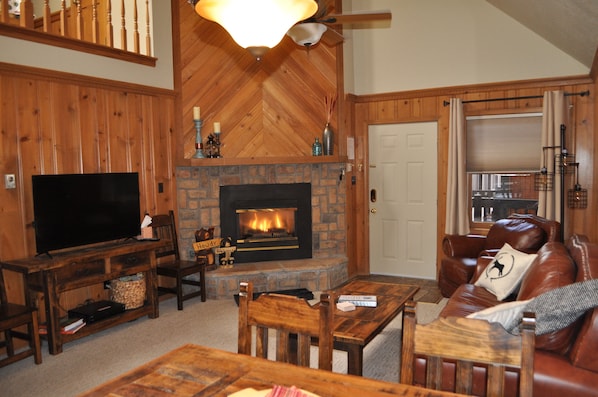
[225,251]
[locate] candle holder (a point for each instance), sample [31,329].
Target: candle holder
[198,142]
[217,144]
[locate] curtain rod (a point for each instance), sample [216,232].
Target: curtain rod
[583,93]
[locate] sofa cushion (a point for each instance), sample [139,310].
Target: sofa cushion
[585,256]
[583,353]
[553,268]
[518,233]
[468,299]
[503,274]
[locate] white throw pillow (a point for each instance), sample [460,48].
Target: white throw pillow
[504,273]
[506,314]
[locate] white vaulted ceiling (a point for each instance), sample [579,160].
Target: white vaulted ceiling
[570,25]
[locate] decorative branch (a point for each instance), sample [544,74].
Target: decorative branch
[330,102]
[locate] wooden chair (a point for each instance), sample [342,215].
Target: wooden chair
[467,346]
[294,322]
[170,263]
[13,316]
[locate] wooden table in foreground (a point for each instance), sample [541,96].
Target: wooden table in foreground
[193,370]
[354,330]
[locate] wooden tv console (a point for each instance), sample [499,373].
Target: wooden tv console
[83,267]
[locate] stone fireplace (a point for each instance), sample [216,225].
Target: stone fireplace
[267,221]
[198,195]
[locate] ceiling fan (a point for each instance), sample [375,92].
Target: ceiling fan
[319,26]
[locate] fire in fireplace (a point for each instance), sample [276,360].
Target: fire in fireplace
[267,222]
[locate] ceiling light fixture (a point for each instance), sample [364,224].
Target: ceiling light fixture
[307,34]
[256,25]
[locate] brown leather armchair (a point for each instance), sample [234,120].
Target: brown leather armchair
[524,232]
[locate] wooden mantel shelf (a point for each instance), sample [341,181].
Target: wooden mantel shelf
[261,160]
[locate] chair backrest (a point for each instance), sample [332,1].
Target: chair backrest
[466,344]
[164,228]
[289,317]
[3,295]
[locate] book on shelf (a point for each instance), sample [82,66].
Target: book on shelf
[360,300]
[67,326]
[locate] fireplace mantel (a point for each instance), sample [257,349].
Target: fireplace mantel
[224,161]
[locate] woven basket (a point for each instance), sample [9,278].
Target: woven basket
[129,291]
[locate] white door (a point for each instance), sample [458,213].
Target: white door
[403,199]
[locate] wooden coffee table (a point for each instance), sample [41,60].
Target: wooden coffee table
[354,330]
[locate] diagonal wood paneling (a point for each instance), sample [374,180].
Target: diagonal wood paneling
[270,108]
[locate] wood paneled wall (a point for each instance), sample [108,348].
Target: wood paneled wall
[268,108]
[428,105]
[53,122]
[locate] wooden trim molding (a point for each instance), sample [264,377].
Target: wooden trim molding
[471,89]
[53,75]
[18,32]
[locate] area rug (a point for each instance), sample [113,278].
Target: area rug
[95,359]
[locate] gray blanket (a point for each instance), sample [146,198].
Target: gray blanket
[560,307]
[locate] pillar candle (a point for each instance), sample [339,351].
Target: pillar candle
[216,126]
[196,113]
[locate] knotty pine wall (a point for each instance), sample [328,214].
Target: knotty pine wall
[427,105]
[54,122]
[268,108]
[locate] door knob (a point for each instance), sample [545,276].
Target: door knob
[373,211]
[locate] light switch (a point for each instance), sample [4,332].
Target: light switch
[10,181]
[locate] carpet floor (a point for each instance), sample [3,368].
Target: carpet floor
[93,360]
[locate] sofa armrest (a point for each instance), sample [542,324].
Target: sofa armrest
[467,246]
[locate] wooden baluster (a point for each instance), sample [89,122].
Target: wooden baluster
[135,28]
[95,28]
[78,19]
[47,16]
[123,29]
[63,21]
[26,17]
[109,29]
[148,36]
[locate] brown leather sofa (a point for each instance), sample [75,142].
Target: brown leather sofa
[566,361]
[524,232]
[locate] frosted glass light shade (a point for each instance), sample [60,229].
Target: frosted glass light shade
[256,24]
[307,34]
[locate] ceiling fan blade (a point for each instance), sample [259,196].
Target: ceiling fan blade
[365,16]
[324,8]
[332,38]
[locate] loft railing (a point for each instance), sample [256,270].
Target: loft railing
[104,27]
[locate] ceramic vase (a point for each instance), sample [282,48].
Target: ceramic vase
[328,140]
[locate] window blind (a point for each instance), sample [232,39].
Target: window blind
[504,143]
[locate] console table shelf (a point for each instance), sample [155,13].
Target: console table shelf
[83,267]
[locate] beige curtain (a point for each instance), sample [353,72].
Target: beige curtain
[554,115]
[457,200]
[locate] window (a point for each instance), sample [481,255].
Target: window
[503,153]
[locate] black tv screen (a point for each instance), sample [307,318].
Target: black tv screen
[78,209]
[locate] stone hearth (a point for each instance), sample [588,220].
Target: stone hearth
[313,274]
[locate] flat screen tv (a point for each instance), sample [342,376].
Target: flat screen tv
[72,210]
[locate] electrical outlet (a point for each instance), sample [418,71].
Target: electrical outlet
[10,181]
